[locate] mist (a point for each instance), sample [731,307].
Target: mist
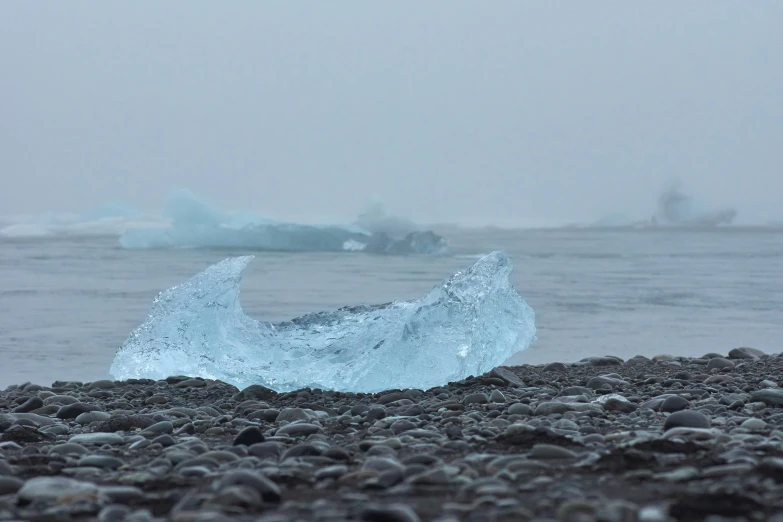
[446,111]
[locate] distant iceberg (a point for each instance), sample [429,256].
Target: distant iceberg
[471,323]
[678,209]
[674,209]
[376,220]
[196,224]
[109,219]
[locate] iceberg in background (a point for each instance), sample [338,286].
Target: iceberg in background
[109,219]
[468,325]
[678,209]
[195,224]
[376,220]
[674,209]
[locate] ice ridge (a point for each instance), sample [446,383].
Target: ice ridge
[195,224]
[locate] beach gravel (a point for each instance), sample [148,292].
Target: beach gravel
[601,440]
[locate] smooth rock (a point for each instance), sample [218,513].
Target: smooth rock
[674,403]
[268,490]
[50,489]
[249,436]
[770,396]
[519,408]
[719,363]
[687,419]
[97,438]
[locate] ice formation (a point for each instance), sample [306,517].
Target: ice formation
[471,323]
[678,209]
[376,220]
[109,219]
[195,224]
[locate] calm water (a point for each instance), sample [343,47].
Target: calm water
[67,304]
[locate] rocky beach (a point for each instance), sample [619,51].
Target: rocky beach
[647,440]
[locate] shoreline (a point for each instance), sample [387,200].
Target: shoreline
[675,438]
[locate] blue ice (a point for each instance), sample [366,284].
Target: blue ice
[469,324]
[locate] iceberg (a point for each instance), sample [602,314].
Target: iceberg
[376,220]
[678,209]
[109,219]
[471,323]
[195,224]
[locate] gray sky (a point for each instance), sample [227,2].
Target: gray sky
[503,111]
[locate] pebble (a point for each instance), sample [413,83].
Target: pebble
[686,419]
[249,436]
[390,513]
[71,411]
[49,489]
[97,438]
[158,428]
[674,403]
[719,363]
[770,396]
[497,396]
[519,408]
[551,451]
[476,398]
[92,416]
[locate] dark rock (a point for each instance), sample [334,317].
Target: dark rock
[33,403]
[599,382]
[268,490]
[255,391]
[390,513]
[719,363]
[476,398]
[554,367]
[301,450]
[674,403]
[402,425]
[164,440]
[770,396]
[249,436]
[9,485]
[604,361]
[506,375]
[71,411]
[392,397]
[746,353]
[264,450]
[23,435]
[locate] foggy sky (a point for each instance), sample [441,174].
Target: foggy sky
[503,111]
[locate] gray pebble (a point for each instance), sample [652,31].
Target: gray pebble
[686,419]
[298,429]
[97,438]
[674,403]
[475,398]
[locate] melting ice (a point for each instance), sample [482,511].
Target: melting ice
[194,223]
[469,324]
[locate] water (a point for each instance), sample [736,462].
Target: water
[66,304]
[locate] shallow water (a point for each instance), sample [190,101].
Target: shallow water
[66,304]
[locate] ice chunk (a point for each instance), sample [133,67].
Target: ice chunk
[195,224]
[471,323]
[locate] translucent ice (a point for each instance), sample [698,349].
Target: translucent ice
[471,323]
[196,224]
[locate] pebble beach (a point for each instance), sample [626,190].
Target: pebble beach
[605,439]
